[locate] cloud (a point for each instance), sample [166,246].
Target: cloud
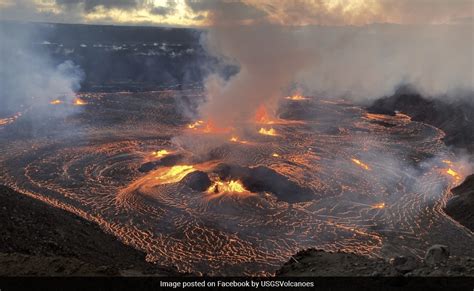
[207,12]
[237,12]
[91,5]
[164,10]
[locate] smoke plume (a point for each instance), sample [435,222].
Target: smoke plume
[358,62]
[30,77]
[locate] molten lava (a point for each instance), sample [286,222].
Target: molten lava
[275,155]
[237,140]
[207,127]
[261,116]
[8,120]
[174,174]
[160,153]
[379,205]
[227,188]
[296,97]
[79,102]
[360,164]
[196,124]
[454,174]
[270,131]
[56,102]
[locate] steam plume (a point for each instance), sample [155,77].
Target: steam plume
[358,62]
[30,77]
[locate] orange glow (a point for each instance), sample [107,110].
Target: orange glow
[296,97]
[174,174]
[196,124]
[403,116]
[160,153]
[448,162]
[361,164]
[8,120]
[270,131]
[379,205]
[454,174]
[237,140]
[207,127]
[227,187]
[56,102]
[275,155]
[375,116]
[79,102]
[261,116]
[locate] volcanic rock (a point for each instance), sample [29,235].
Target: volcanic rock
[455,118]
[40,240]
[313,262]
[263,179]
[404,264]
[437,254]
[461,206]
[198,181]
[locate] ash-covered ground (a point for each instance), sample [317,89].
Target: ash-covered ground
[373,185]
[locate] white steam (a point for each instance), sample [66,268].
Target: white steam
[29,77]
[358,62]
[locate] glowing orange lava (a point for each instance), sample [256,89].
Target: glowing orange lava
[79,102]
[374,116]
[296,97]
[361,164]
[237,140]
[379,205]
[56,102]
[160,153]
[270,131]
[275,155]
[261,116]
[233,186]
[174,174]
[208,127]
[454,174]
[196,124]
[8,120]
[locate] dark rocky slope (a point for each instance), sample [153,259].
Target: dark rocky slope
[461,206]
[455,118]
[40,240]
[319,263]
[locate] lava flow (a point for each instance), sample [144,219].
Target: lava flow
[11,119]
[56,102]
[160,153]
[210,201]
[207,127]
[79,102]
[174,174]
[361,164]
[226,188]
[454,174]
[270,131]
[296,97]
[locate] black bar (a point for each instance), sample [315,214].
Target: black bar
[236,283]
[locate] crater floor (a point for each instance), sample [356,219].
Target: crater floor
[374,185]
